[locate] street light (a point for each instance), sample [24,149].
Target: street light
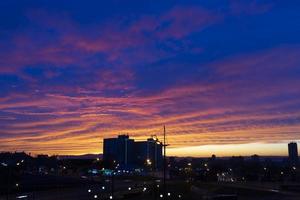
[149,162]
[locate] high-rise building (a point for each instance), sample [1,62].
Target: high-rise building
[293,153]
[128,153]
[149,153]
[119,149]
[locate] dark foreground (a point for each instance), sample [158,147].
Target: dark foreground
[152,189]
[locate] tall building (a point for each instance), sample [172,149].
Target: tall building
[119,149]
[293,153]
[149,153]
[128,153]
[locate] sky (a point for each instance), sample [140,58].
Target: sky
[223,76]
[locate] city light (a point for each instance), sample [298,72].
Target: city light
[89,190]
[22,197]
[95,196]
[148,162]
[4,164]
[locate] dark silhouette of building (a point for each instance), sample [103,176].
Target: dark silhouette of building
[149,153]
[293,153]
[127,153]
[119,150]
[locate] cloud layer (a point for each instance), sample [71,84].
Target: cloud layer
[213,74]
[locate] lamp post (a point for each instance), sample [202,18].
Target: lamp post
[165,163]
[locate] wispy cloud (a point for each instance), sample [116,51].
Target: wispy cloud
[67,84]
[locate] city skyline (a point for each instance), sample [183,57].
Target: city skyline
[223,77]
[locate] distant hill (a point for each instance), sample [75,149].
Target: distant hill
[85,156]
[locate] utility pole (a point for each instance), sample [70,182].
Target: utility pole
[165,162]
[113,183]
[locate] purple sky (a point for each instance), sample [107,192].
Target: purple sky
[215,73]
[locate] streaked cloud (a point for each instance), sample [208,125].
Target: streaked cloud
[66,84]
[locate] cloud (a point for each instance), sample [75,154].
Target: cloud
[249,7]
[71,84]
[70,45]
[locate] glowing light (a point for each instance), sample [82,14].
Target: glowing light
[148,162]
[22,197]
[4,164]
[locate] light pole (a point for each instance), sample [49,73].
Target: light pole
[165,163]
